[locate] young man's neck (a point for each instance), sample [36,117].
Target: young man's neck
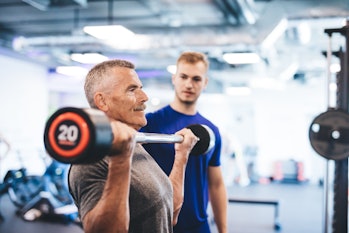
[188,109]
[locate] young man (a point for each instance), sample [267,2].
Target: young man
[203,179]
[126,191]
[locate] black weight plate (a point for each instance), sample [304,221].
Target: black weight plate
[329,134]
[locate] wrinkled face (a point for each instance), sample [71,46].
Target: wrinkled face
[189,81]
[125,99]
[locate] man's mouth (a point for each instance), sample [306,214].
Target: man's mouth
[140,108]
[188,93]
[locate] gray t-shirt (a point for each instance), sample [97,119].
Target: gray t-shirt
[151,194]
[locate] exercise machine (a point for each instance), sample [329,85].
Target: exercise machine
[41,197]
[329,135]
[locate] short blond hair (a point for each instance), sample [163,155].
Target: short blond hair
[192,57]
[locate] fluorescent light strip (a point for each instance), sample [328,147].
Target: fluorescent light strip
[275,34]
[171,69]
[74,71]
[108,32]
[88,58]
[241,58]
[238,91]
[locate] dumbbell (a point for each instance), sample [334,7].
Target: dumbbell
[78,136]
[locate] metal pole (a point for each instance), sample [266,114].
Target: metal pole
[326,197]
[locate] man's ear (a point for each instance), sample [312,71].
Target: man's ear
[100,101]
[173,78]
[206,82]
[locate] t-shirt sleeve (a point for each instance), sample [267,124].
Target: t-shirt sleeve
[216,156]
[86,184]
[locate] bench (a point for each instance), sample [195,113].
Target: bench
[275,203]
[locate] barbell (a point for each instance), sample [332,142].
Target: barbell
[84,135]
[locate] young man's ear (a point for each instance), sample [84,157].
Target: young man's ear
[173,78]
[206,82]
[100,101]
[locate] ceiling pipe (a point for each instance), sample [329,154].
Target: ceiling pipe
[210,36]
[230,16]
[45,5]
[22,43]
[242,11]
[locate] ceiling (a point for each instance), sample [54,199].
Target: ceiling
[48,31]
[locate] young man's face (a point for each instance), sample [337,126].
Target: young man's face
[126,100]
[189,81]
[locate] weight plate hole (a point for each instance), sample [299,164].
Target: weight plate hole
[315,128]
[336,134]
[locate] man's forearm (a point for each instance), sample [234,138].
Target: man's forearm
[177,177]
[111,214]
[219,203]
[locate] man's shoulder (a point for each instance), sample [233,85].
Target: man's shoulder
[205,120]
[163,109]
[159,113]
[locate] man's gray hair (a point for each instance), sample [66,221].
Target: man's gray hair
[95,78]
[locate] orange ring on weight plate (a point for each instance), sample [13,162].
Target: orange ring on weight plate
[84,132]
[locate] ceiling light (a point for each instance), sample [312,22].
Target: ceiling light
[108,32]
[241,58]
[88,58]
[335,68]
[304,32]
[267,83]
[275,34]
[241,91]
[171,69]
[289,72]
[41,5]
[75,71]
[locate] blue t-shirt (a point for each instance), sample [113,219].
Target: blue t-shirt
[169,121]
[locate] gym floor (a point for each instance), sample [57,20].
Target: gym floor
[300,210]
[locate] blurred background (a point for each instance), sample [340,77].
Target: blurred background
[267,80]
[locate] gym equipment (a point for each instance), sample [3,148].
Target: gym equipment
[329,136]
[53,201]
[22,187]
[272,202]
[74,135]
[41,197]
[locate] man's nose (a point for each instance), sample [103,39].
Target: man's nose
[144,96]
[188,83]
